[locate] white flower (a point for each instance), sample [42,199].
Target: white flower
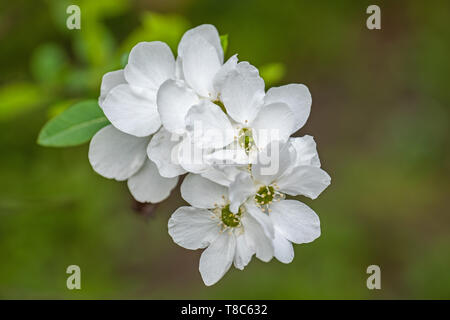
[257,118]
[298,173]
[128,99]
[228,237]
[117,155]
[212,105]
[201,72]
[238,207]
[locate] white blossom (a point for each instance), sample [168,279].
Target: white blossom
[128,99]
[298,173]
[228,237]
[164,111]
[119,151]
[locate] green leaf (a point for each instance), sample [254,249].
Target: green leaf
[224,42]
[74,126]
[272,73]
[17,98]
[59,107]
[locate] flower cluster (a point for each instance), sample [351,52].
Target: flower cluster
[212,121]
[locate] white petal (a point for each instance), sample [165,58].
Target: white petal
[202,193]
[222,175]
[147,185]
[209,125]
[274,122]
[217,258]
[109,81]
[200,65]
[116,155]
[273,161]
[262,218]
[256,239]
[174,101]
[132,110]
[306,151]
[243,93]
[240,190]
[193,228]
[305,180]
[163,151]
[150,64]
[296,96]
[191,157]
[221,75]
[243,253]
[295,221]
[206,31]
[283,249]
[232,154]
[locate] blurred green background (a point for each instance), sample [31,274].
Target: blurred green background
[380,117]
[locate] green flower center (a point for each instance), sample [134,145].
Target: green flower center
[265,195]
[245,139]
[229,218]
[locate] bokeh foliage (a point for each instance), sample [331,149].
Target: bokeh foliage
[380,116]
